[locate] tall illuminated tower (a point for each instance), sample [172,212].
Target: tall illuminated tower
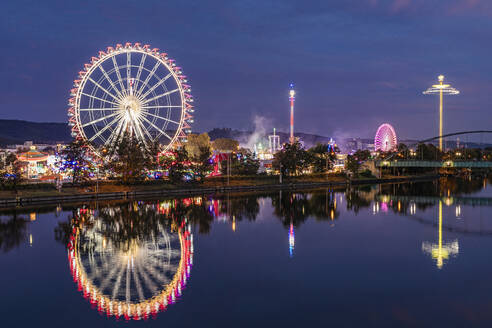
[441,89]
[292,94]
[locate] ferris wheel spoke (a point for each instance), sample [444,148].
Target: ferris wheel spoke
[156,85]
[147,132]
[102,88]
[147,79]
[118,282]
[109,277]
[162,106]
[99,119]
[140,68]
[100,99]
[118,74]
[105,128]
[161,117]
[115,136]
[111,83]
[157,128]
[128,69]
[139,287]
[148,282]
[97,109]
[159,276]
[160,96]
[138,131]
[116,133]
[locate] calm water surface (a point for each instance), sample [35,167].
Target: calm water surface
[403,255]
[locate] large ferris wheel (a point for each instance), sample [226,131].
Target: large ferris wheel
[130,89]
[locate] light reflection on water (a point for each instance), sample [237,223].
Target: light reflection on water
[131,260]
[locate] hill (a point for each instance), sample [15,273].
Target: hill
[17,131]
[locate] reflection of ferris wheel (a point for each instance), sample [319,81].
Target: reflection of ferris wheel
[132,89]
[136,280]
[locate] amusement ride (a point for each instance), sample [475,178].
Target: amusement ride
[385,139]
[133,89]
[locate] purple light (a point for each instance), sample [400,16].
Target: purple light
[385,139]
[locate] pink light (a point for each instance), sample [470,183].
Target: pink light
[385,139]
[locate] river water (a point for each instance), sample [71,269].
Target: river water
[396,255]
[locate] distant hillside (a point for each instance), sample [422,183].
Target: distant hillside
[16,131]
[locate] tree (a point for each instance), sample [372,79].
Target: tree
[321,157]
[201,163]
[75,160]
[196,143]
[174,162]
[428,152]
[291,159]
[242,163]
[353,162]
[403,151]
[132,158]
[225,145]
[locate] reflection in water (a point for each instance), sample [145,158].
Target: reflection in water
[13,232]
[127,262]
[441,252]
[292,240]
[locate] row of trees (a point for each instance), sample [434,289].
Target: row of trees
[293,159]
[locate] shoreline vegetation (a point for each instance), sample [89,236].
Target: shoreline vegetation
[31,194]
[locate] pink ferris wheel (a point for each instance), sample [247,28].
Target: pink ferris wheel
[385,139]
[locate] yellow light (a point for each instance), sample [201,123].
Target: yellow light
[292,93]
[441,77]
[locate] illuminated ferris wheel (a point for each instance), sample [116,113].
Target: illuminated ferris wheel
[385,139]
[130,89]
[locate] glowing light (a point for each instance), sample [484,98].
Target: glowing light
[103,105]
[292,240]
[441,89]
[441,251]
[385,139]
[292,98]
[458,211]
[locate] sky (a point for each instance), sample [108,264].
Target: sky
[355,63]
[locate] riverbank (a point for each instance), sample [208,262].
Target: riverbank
[112,191]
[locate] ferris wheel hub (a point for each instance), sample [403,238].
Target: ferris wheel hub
[131,103]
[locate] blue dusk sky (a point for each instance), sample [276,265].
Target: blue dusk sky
[355,63]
